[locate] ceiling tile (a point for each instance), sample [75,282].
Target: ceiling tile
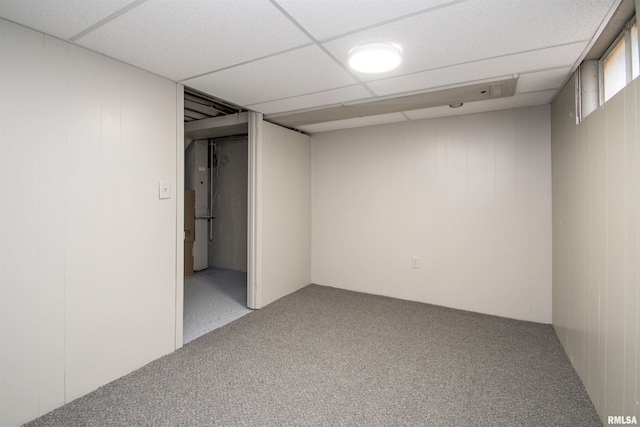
[497,67]
[294,73]
[180,39]
[63,19]
[340,17]
[313,100]
[354,123]
[516,101]
[548,79]
[250,53]
[478,29]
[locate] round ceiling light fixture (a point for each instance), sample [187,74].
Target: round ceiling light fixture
[376,57]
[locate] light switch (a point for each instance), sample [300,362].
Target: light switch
[415,262]
[164,189]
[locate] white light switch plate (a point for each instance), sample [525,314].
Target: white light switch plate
[415,262]
[164,189]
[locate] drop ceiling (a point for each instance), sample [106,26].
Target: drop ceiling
[288,58]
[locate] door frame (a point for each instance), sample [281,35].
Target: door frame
[254,212]
[254,217]
[179,192]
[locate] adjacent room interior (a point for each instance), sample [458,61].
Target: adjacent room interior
[155,185]
[216,201]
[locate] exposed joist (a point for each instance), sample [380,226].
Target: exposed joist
[203,109]
[216,127]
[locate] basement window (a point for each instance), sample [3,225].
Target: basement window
[604,74]
[619,64]
[614,71]
[635,55]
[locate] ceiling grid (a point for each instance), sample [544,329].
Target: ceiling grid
[290,57]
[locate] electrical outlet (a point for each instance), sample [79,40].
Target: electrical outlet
[415,262]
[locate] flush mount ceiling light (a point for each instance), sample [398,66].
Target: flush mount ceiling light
[375,57]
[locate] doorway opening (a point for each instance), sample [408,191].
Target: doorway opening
[216,180]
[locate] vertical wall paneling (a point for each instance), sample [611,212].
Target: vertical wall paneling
[21,74]
[539,215]
[506,238]
[455,208]
[598,245]
[631,298]
[161,141]
[440,213]
[88,250]
[51,251]
[581,235]
[523,288]
[254,212]
[481,231]
[134,204]
[615,249]
[228,249]
[455,192]
[179,273]
[82,333]
[421,217]
[286,211]
[3,376]
[109,290]
[595,254]
[372,224]
[148,139]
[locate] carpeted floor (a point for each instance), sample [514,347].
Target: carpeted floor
[323,356]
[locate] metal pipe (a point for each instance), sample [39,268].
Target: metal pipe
[212,145]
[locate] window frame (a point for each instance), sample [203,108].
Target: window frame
[628,56]
[587,79]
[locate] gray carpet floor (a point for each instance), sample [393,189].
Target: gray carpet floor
[213,298]
[323,356]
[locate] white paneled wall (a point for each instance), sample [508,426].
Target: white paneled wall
[88,251]
[596,170]
[470,196]
[228,249]
[286,212]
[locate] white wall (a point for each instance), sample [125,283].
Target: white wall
[228,249]
[88,251]
[469,195]
[285,232]
[596,213]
